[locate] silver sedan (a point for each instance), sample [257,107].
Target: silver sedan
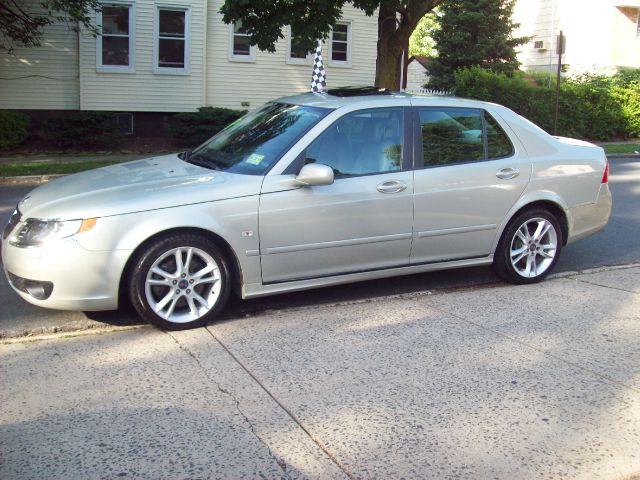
[308,191]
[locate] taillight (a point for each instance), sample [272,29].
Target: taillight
[605,175]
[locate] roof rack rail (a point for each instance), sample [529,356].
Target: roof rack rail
[358,91]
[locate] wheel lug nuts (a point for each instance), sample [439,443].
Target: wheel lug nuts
[177,290]
[191,281]
[175,281]
[183,275]
[188,291]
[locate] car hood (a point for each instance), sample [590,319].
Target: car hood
[149,184]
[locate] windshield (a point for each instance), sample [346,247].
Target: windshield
[256,141]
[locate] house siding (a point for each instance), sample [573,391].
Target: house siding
[63,73]
[250,84]
[42,78]
[416,76]
[599,34]
[143,90]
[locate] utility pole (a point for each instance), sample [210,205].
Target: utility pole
[560,48]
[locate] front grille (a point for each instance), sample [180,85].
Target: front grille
[13,221]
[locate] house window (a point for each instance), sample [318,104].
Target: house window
[124,123]
[297,52]
[241,48]
[172,42]
[341,44]
[115,44]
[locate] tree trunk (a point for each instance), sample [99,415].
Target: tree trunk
[395,26]
[389,50]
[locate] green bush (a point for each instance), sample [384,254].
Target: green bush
[82,130]
[192,129]
[588,108]
[13,129]
[629,97]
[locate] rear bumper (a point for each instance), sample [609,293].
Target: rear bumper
[587,219]
[82,279]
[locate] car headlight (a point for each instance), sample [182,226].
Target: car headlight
[35,232]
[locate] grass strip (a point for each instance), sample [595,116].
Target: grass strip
[50,168]
[621,147]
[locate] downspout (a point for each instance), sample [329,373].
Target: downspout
[205,40]
[79,66]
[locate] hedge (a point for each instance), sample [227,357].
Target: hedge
[192,129]
[14,129]
[590,107]
[82,130]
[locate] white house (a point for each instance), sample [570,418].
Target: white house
[175,56]
[417,74]
[601,34]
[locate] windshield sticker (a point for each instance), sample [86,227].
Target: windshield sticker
[254,159]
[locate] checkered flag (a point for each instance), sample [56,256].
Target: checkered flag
[319,76]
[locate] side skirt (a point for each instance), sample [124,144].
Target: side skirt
[253,290]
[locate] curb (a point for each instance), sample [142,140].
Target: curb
[623,155]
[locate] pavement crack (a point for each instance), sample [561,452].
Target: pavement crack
[291,415]
[603,286]
[595,373]
[281,462]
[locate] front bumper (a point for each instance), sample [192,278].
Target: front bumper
[82,279]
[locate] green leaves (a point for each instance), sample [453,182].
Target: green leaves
[474,33]
[23,26]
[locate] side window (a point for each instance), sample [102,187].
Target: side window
[451,135]
[115,44]
[498,142]
[361,143]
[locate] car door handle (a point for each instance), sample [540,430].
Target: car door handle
[392,186]
[508,173]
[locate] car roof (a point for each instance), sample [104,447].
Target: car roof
[327,100]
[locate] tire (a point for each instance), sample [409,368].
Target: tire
[526,254]
[179,297]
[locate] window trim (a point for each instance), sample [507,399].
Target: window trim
[342,63]
[308,60]
[418,153]
[100,68]
[157,69]
[251,58]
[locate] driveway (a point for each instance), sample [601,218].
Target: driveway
[538,381]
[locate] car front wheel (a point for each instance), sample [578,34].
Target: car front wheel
[181,281]
[529,248]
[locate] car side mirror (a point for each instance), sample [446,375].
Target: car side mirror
[314,174]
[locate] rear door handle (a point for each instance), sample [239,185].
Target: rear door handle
[392,186]
[508,173]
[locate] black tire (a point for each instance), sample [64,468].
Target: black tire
[502,262]
[184,309]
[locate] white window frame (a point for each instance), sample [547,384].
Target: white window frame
[342,63]
[132,40]
[308,60]
[239,58]
[186,70]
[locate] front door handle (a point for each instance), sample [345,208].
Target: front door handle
[508,173]
[392,186]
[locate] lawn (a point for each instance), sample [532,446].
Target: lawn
[621,148]
[50,168]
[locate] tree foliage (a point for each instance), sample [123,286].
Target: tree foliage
[21,23]
[475,33]
[421,41]
[264,20]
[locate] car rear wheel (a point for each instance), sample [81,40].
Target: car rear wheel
[529,248]
[181,281]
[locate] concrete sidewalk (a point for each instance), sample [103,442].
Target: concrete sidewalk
[539,381]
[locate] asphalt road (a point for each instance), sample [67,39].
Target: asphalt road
[617,245]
